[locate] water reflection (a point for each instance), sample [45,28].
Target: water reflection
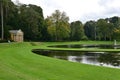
[93,58]
[110,58]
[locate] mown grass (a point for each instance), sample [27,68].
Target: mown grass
[17,62]
[46,46]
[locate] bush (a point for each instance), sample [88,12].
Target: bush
[6,41]
[3,41]
[84,38]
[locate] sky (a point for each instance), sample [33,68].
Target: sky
[83,10]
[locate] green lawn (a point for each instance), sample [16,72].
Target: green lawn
[17,62]
[80,49]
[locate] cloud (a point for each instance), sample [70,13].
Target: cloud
[83,10]
[105,2]
[106,9]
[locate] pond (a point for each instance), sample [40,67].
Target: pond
[108,59]
[94,58]
[101,46]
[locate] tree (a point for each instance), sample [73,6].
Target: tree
[110,31]
[116,34]
[102,29]
[2,5]
[31,22]
[58,26]
[29,18]
[105,29]
[115,20]
[90,29]
[2,28]
[5,8]
[77,31]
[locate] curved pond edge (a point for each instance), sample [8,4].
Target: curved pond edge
[108,59]
[77,50]
[48,47]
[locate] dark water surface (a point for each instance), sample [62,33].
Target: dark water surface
[108,59]
[94,58]
[101,46]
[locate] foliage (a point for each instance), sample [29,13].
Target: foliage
[32,21]
[29,18]
[77,31]
[90,30]
[58,26]
[117,33]
[103,29]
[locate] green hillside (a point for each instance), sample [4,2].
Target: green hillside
[17,62]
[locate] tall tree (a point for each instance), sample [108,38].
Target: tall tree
[110,30]
[90,30]
[116,34]
[2,28]
[32,22]
[77,31]
[50,29]
[58,26]
[102,29]
[105,29]
[4,4]
[115,20]
[116,24]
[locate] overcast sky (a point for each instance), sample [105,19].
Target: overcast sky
[83,10]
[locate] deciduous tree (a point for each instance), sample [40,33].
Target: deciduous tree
[77,31]
[90,29]
[58,25]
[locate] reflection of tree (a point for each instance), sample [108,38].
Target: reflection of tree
[66,55]
[59,54]
[110,58]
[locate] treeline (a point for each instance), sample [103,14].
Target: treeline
[56,27]
[103,29]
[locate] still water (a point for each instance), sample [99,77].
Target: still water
[93,58]
[101,46]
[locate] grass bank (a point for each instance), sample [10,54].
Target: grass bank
[45,47]
[17,62]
